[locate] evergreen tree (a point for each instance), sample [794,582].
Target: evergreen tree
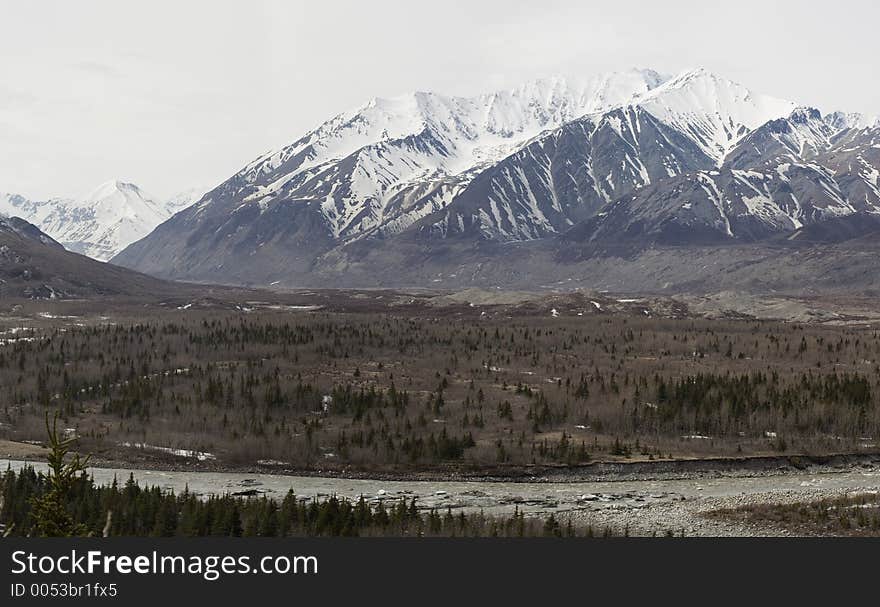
[50,511]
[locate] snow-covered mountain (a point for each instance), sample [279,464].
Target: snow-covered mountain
[102,222]
[694,157]
[395,160]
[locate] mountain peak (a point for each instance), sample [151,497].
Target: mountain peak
[804,114]
[713,111]
[697,77]
[108,188]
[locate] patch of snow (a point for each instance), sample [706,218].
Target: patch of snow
[199,455]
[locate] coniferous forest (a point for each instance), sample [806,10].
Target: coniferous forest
[391,391]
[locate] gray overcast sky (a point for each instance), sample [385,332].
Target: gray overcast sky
[172,95]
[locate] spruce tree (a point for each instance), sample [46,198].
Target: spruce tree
[50,511]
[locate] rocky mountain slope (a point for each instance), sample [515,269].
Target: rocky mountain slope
[35,266]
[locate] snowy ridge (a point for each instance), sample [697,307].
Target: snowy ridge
[359,163]
[481,128]
[630,148]
[802,135]
[714,112]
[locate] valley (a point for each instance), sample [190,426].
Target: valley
[631,304]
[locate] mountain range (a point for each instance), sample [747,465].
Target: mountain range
[424,188]
[618,181]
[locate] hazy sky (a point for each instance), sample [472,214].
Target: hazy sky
[173,95]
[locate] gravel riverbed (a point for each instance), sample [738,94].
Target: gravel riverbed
[643,507]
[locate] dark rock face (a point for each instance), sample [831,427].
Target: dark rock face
[568,176]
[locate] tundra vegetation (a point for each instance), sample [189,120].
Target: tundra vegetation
[387,391]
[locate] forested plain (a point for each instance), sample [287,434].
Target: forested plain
[321,391]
